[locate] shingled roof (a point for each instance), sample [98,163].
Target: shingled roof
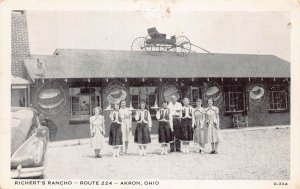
[84,63]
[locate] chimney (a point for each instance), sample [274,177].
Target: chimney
[19,43]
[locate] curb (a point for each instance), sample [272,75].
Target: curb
[81,141]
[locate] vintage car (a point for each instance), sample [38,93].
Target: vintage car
[29,141]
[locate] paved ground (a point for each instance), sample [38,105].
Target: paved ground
[245,154]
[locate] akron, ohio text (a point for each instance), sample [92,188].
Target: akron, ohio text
[139,183]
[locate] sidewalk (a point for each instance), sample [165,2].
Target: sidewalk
[88,140]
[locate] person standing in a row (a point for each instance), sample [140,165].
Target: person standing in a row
[165,128]
[115,133]
[213,122]
[187,124]
[175,111]
[126,119]
[97,131]
[200,131]
[142,131]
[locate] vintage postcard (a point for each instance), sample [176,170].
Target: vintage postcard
[149,94]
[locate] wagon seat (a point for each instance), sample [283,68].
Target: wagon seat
[158,38]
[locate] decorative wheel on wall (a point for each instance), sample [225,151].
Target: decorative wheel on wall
[115,93]
[213,91]
[256,93]
[169,89]
[50,98]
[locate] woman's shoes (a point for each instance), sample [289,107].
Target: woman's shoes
[99,156]
[212,152]
[201,151]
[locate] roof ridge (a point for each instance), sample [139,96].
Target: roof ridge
[123,50]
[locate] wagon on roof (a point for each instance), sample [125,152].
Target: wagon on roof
[155,43]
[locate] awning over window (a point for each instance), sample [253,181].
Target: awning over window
[75,63]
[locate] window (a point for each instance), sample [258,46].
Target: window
[147,94]
[278,98]
[83,100]
[19,96]
[195,95]
[234,98]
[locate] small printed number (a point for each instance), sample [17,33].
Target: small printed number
[280,183]
[106,183]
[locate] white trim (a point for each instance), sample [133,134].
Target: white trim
[19,86]
[27,172]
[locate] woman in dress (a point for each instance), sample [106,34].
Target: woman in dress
[187,123]
[115,133]
[213,122]
[200,132]
[97,131]
[165,127]
[143,127]
[126,125]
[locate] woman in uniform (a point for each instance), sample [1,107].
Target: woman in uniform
[143,127]
[115,133]
[187,123]
[213,122]
[165,127]
[97,131]
[200,131]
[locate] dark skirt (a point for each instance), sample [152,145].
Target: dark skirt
[115,135]
[165,134]
[142,134]
[176,127]
[186,130]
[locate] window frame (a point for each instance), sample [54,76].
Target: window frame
[91,106]
[286,96]
[148,99]
[230,94]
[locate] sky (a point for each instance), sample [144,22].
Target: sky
[263,32]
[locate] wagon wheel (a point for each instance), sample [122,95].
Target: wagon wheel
[153,49]
[138,44]
[183,46]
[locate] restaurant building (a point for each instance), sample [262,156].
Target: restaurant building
[67,85]
[71,82]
